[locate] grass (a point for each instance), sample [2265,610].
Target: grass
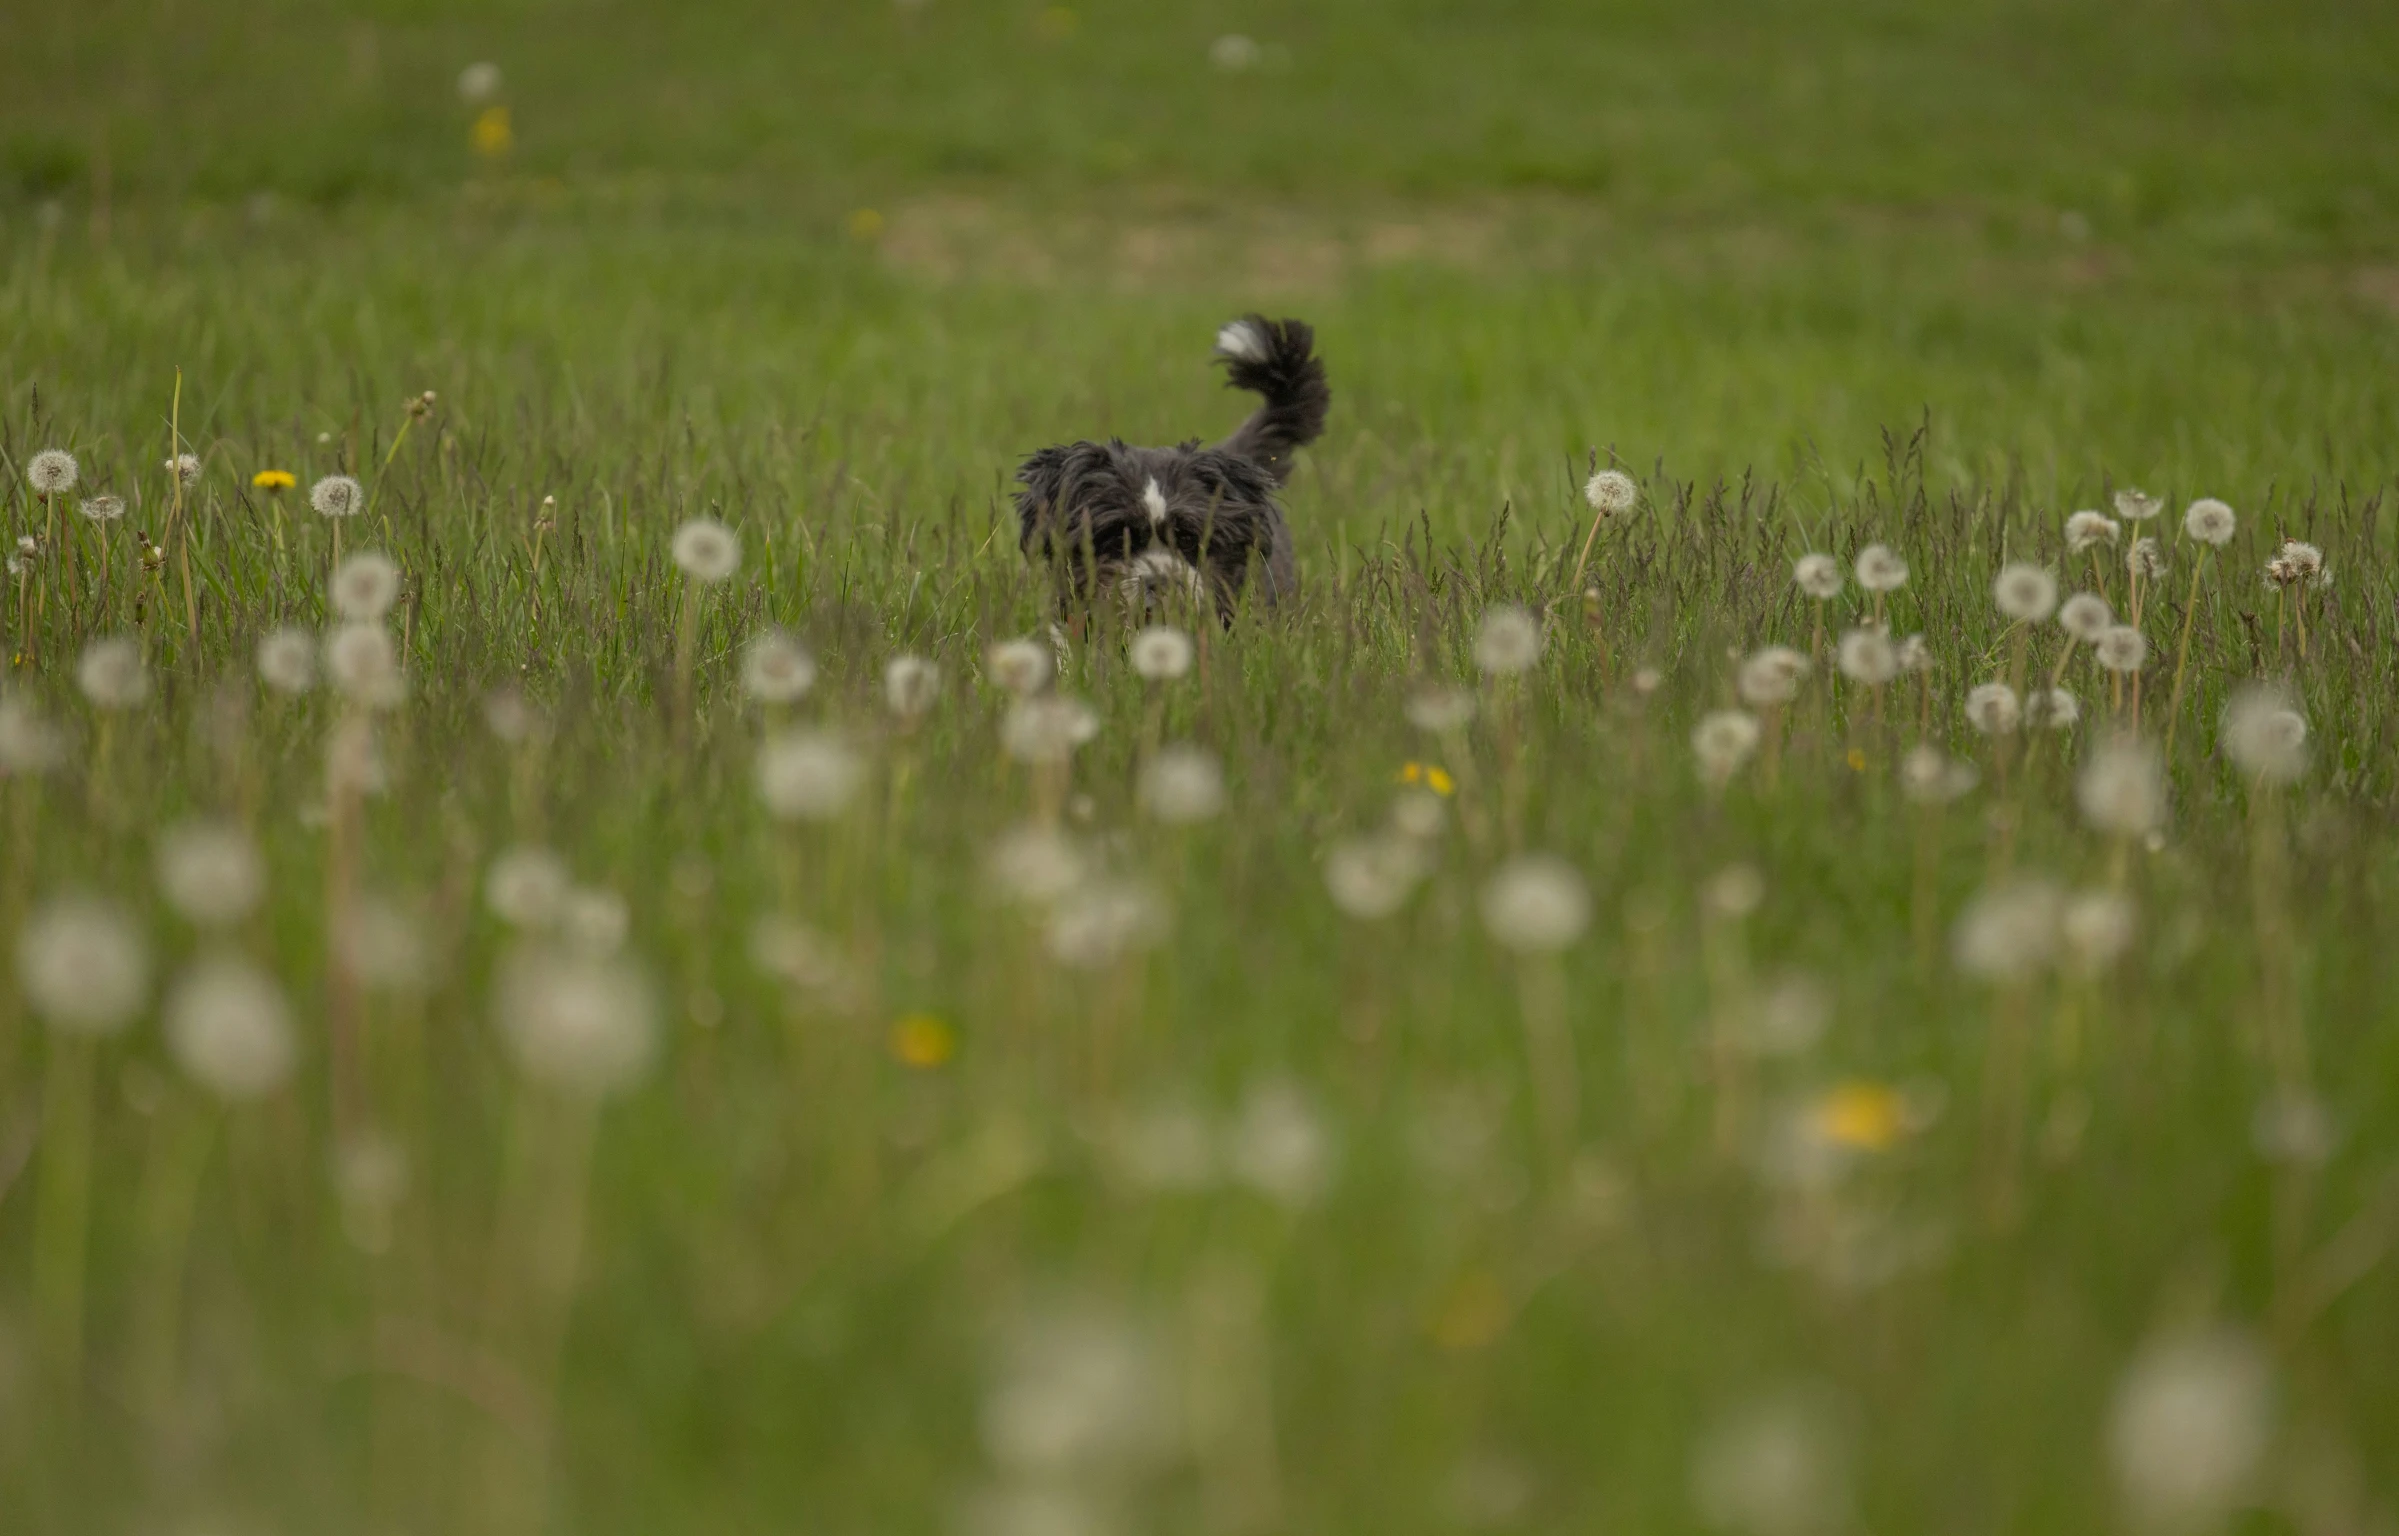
[853,1243]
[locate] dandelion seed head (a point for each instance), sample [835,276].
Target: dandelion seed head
[287,660]
[594,921]
[1162,653]
[2121,649]
[1509,641]
[1079,1394]
[1278,1144]
[2051,709]
[385,947]
[1722,741]
[1164,1149]
[1035,865]
[1790,1017]
[707,551]
[478,83]
[1915,654]
[337,496]
[807,775]
[1612,493]
[1929,776]
[1775,1466]
[1735,891]
[230,1030]
[2189,1427]
[775,669]
[2146,559]
[364,664]
[1647,680]
[1880,569]
[2088,530]
[1772,676]
[2137,506]
[1993,709]
[584,1025]
[29,744]
[2085,616]
[1100,920]
[1867,656]
[1234,53]
[2297,565]
[2294,1129]
[112,674]
[1022,667]
[1438,711]
[1045,730]
[510,716]
[2008,933]
[2265,737]
[1181,785]
[2024,592]
[1372,877]
[365,587]
[1536,904]
[51,472]
[210,872]
[184,467]
[1818,576]
[2209,521]
[104,509]
[526,887]
[797,955]
[83,966]
[2097,929]
[1418,814]
[911,684]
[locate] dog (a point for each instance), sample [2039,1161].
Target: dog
[1158,530]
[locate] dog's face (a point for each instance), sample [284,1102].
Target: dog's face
[1151,531]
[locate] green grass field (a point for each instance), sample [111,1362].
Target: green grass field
[989,1152]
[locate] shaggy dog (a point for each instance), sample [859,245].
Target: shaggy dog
[1161,528]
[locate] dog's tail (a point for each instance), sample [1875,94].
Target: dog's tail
[1275,359]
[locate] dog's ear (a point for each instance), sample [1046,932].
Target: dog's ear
[1052,479]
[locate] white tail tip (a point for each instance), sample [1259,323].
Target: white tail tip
[1241,339]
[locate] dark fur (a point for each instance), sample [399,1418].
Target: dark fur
[1085,514]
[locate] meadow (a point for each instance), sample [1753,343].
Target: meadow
[620,982]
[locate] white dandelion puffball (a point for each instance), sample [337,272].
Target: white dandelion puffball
[1867,656]
[2137,506]
[910,686]
[1234,53]
[511,717]
[83,966]
[1045,730]
[775,669]
[1772,676]
[2296,564]
[1034,865]
[2188,1431]
[1930,776]
[2121,649]
[1277,1144]
[210,872]
[2009,933]
[29,744]
[808,775]
[385,946]
[365,587]
[112,674]
[51,472]
[2264,736]
[185,467]
[1164,1149]
[1372,877]
[1439,711]
[2097,927]
[337,496]
[2025,593]
[2087,530]
[287,660]
[1162,653]
[1182,785]
[2085,616]
[1418,814]
[2052,709]
[1536,904]
[594,921]
[1098,921]
[707,551]
[1722,741]
[364,664]
[584,1025]
[479,83]
[1819,576]
[1915,654]
[230,1030]
[104,509]
[527,887]
[1994,710]
[2122,790]
[2209,521]
[1509,641]
[1612,492]
[1022,667]
[2146,559]
[1776,1466]
[1880,569]
[1078,1395]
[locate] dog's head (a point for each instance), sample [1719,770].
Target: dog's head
[1151,530]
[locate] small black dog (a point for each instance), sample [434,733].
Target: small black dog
[1160,527]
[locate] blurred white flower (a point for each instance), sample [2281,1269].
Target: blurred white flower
[1536,903]
[2084,530]
[707,550]
[1772,676]
[2008,933]
[230,1029]
[2085,616]
[2145,559]
[2025,593]
[1371,877]
[2052,709]
[910,685]
[29,744]
[1819,576]
[1022,667]
[1722,741]
[478,83]
[2122,649]
[83,966]
[1777,1465]
[1277,1144]
[104,509]
[1418,814]
[807,775]
[1993,709]
[2209,521]
[364,664]
[1167,1148]
[2189,1428]
[1035,864]
[593,920]
[1096,922]
[1438,711]
[510,716]
[1046,728]
[1162,653]
[112,673]
[1930,776]
[2122,789]
[210,872]
[365,586]
[1079,1395]
[1234,53]
[2264,736]
[2097,927]
[1880,569]
[583,1024]
[1867,656]
[2294,1128]
[1915,654]
[527,887]
[385,947]
[775,669]
[1612,493]
[287,660]
[1182,784]
[1509,641]
[2137,506]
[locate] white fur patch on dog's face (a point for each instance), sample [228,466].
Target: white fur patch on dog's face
[1157,576]
[1155,500]
[1241,339]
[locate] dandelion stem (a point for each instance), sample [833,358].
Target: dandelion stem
[2182,655]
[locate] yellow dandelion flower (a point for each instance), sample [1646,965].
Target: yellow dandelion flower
[1857,760]
[865,225]
[1865,1117]
[1431,776]
[273,480]
[924,1042]
[493,134]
